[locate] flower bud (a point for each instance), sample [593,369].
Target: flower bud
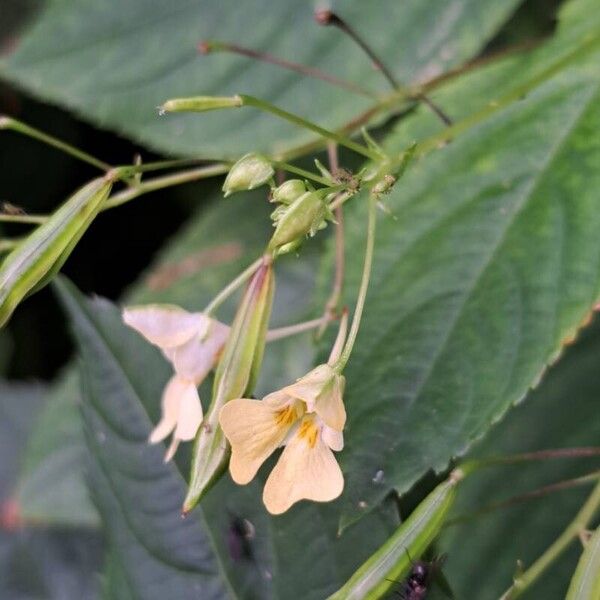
[236,374]
[200,104]
[288,191]
[305,216]
[32,264]
[248,173]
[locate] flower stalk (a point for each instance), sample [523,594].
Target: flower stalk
[364,286]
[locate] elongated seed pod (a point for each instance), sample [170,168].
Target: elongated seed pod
[32,264]
[585,584]
[392,561]
[235,375]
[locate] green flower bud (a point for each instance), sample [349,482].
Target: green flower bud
[251,171]
[200,104]
[305,216]
[32,264]
[235,378]
[288,191]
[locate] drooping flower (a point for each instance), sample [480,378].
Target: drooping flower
[192,343]
[307,417]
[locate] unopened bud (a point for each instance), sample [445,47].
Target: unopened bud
[200,104]
[248,173]
[288,191]
[305,216]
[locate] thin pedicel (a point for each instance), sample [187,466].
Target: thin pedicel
[328,17]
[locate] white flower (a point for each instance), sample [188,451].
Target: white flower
[192,343]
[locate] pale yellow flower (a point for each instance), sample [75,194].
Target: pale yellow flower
[192,343]
[307,468]
[255,429]
[299,416]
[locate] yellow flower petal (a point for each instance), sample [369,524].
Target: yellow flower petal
[189,417]
[165,325]
[333,438]
[170,410]
[322,389]
[255,429]
[306,470]
[195,358]
[330,403]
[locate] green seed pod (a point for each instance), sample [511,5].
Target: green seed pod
[392,561]
[288,191]
[200,103]
[248,173]
[235,377]
[585,584]
[32,264]
[305,216]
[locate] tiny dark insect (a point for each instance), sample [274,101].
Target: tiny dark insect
[239,537]
[419,580]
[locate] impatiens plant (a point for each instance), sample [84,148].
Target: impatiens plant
[402,237]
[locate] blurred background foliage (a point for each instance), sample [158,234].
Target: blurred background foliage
[61,553]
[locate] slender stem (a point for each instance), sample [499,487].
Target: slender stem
[231,287]
[301,172]
[364,285]
[338,277]
[338,345]
[340,200]
[518,499]
[8,245]
[28,219]
[159,183]
[289,330]
[159,165]
[292,118]
[20,127]
[513,459]
[210,46]
[327,17]
[579,523]
[391,103]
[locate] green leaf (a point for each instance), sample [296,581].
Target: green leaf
[137,494]
[139,497]
[36,563]
[492,263]
[561,413]
[51,487]
[115,66]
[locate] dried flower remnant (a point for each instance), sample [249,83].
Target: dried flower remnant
[191,342]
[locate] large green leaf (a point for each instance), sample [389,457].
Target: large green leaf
[49,564]
[562,412]
[139,497]
[51,488]
[209,263]
[115,66]
[494,260]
